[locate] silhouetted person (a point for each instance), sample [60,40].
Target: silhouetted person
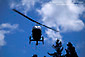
[70,51]
[58,47]
[34,55]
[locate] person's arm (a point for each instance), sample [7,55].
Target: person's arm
[61,48]
[53,46]
[67,51]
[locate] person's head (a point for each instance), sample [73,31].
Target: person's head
[57,41]
[69,44]
[34,55]
[60,42]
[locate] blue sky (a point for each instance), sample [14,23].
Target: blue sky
[15,30]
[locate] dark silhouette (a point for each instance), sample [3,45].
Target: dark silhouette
[58,47]
[36,35]
[34,55]
[70,51]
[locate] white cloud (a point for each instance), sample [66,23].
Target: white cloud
[53,36]
[64,16]
[3,31]
[24,5]
[7,25]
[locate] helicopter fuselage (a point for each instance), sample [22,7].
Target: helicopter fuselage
[36,34]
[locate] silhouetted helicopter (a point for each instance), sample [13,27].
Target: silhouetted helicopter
[36,34]
[36,31]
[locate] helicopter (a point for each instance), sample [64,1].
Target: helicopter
[36,34]
[36,30]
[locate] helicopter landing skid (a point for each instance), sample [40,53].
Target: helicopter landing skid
[36,40]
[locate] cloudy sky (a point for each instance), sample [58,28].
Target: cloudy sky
[67,16]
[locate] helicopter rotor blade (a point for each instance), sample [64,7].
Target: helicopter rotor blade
[34,20]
